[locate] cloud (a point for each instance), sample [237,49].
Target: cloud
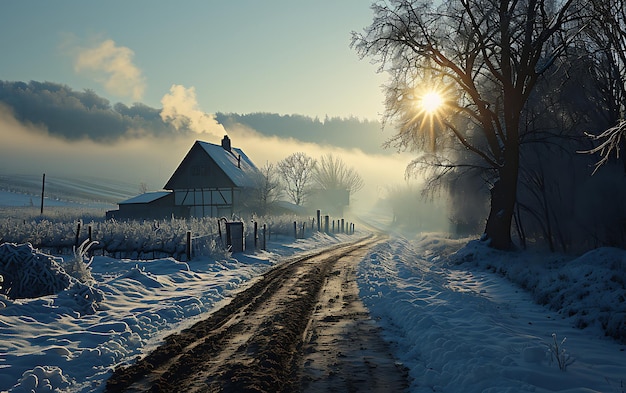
[30,149]
[75,115]
[180,108]
[112,66]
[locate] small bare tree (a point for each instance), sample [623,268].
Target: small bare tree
[268,188]
[297,172]
[332,173]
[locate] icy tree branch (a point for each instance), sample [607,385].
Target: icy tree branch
[611,139]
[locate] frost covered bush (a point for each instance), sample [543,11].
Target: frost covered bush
[81,298]
[558,354]
[28,274]
[136,239]
[79,267]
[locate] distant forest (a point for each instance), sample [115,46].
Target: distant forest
[76,115]
[341,132]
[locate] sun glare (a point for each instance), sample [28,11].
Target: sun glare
[431,102]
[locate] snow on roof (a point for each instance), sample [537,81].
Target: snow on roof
[243,174]
[146,198]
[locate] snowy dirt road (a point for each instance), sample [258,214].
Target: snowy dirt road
[301,326]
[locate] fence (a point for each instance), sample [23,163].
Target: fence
[180,239]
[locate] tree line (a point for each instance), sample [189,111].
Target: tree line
[527,88]
[298,176]
[346,132]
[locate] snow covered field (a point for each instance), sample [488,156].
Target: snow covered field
[457,327]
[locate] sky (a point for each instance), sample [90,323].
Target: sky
[274,56]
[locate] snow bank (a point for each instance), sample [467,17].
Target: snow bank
[591,288]
[462,328]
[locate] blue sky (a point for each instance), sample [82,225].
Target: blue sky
[280,56]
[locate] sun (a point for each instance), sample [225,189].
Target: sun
[431,102]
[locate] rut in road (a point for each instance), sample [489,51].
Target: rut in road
[252,344]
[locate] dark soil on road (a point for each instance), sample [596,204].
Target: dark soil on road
[300,327]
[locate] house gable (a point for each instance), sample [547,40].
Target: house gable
[208,166]
[198,170]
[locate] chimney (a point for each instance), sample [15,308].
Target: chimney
[226,143]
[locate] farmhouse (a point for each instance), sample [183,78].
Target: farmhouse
[211,181]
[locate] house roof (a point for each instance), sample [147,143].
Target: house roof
[242,173]
[146,198]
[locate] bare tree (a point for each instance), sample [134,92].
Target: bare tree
[484,57]
[268,188]
[296,172]
[332,173]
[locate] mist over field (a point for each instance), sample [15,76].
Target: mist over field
[53,129]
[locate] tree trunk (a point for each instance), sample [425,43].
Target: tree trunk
[503,198]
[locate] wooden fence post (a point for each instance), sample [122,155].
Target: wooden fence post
[188,246]
[256,234]
[89,252]
[326,218]
[295,230]
[77,235]
[264,233]
[43,188]
[319,222]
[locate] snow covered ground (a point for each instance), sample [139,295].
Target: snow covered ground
[458,327]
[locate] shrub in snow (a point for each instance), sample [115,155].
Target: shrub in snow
[558,353]
[80,266]
[81,298]
[28,273]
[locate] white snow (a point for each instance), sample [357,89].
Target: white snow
[14,199]
[457,327]
[146,197]
[463,328]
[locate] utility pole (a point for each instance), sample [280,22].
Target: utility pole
[43,188]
